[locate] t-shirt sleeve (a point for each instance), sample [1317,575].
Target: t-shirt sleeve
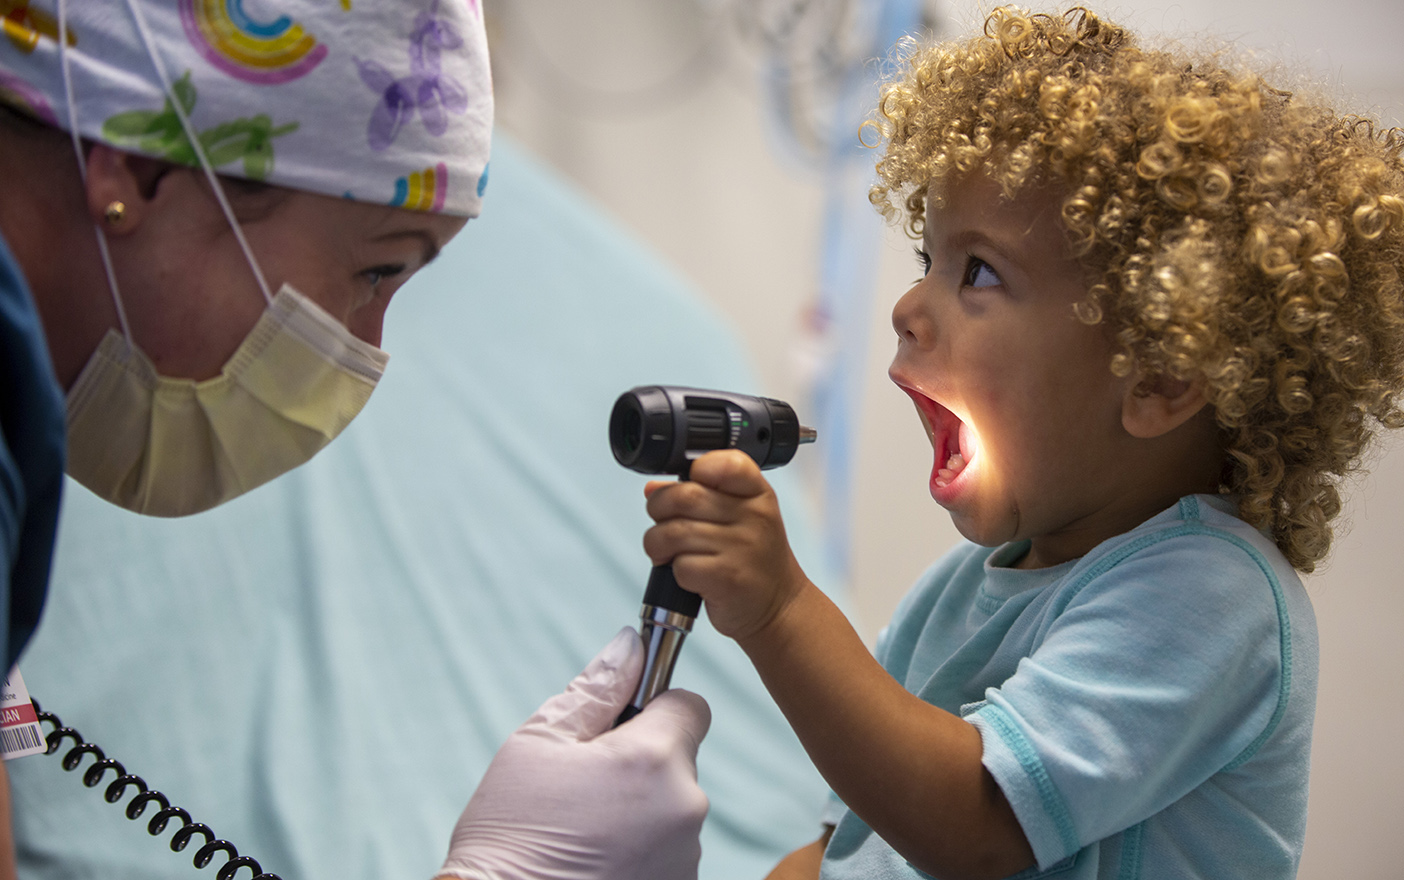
[1157,670]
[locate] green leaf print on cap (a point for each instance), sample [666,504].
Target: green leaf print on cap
[160,134]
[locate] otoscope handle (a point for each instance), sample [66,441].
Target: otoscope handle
[664,621]
[663,592]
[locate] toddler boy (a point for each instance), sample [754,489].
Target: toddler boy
[1161,316]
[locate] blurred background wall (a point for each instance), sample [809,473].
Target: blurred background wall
[700,124]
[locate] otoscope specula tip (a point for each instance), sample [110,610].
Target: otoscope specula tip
[808,435]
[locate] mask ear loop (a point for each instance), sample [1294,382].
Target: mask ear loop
[83,171]
[194,138]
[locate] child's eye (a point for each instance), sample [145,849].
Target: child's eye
[979,274]
[925,259]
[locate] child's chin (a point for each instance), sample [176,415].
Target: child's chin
[977,523]
[969,528]
[975,530]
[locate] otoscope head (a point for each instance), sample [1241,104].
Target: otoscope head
[659,429]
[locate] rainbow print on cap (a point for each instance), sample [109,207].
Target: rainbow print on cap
[266,53]
[422,190]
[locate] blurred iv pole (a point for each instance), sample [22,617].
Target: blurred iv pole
[824,60]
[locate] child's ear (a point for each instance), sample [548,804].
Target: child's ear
[1156,405]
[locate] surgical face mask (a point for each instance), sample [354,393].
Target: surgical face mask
[170,447]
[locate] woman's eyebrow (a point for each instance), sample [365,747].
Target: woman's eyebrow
[429,247]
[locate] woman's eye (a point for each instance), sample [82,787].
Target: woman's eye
[925,260]
[979,274]
[377,274]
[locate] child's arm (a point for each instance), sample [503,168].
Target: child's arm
[912,771]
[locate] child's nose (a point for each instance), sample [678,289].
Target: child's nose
[913,323]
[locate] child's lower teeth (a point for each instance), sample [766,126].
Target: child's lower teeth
[954,465]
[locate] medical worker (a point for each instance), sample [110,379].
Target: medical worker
[204,212]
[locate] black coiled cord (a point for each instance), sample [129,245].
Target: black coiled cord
[117,789]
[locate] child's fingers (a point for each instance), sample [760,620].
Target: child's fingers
[679,537]
[731,471]
[726,470]
[692,501]
[654,485]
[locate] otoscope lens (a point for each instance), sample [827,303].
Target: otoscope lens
[631,430]
[626,430]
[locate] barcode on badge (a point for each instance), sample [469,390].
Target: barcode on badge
[19,741]
[20,733]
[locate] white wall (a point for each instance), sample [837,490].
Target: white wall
[693,167]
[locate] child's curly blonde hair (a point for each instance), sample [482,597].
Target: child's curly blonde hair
[1236,235]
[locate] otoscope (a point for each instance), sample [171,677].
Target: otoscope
[660,429]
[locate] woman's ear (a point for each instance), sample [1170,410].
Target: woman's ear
[120,187]
[1157,405]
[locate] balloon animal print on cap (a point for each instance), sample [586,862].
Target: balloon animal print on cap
[426,89]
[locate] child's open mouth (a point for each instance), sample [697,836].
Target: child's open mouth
[950,440]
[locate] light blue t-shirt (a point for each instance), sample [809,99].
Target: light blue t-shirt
[1146,709]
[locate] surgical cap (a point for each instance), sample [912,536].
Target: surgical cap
[386,101]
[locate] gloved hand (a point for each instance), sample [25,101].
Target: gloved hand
[567,798]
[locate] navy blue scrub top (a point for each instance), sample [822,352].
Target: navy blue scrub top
[31,460]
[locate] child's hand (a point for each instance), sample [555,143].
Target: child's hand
[722,532]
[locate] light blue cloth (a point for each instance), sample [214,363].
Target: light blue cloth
[321,670]
[1146,709]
